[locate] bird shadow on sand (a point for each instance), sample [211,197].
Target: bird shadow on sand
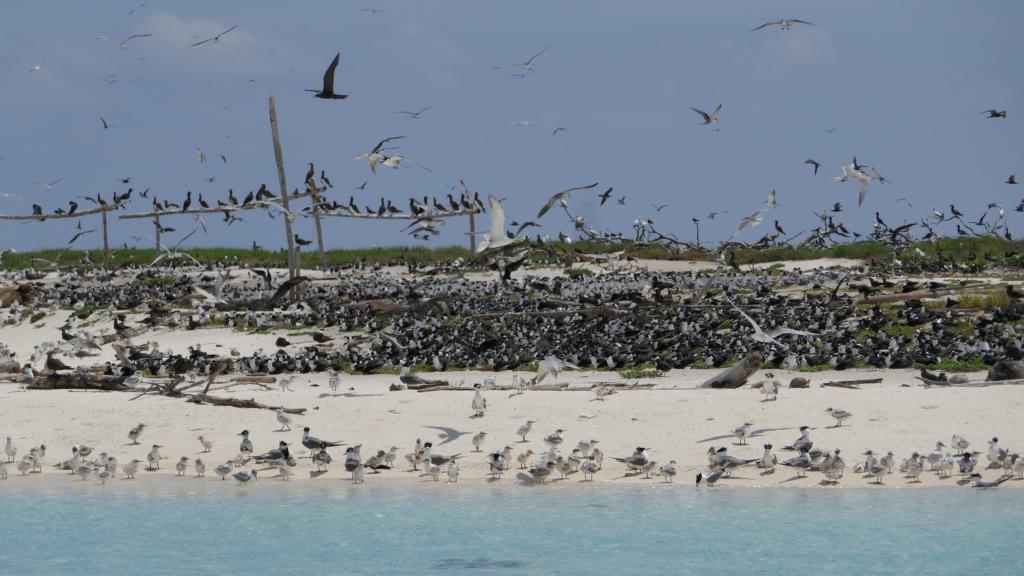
[753,433]
[963,482]
[448,434]
[317,473]
[345,395]
[476,416]
[793,479]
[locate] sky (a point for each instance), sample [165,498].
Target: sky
[899,85]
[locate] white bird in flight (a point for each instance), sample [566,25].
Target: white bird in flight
[760,335]
[850,172]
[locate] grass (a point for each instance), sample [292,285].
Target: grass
[973,364]
[577,273]
[640,372]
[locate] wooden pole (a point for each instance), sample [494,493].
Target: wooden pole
[319,231]
[156,224]
[472,232]
[293,265]
[106,243]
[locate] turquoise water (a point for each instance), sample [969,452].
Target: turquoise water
[484,530]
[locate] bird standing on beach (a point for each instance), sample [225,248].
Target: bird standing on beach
[207,444]
[743,432]
[245,447]
[135,432]
[283,419]
[478,440]
[839,415]
[479,402]
[154,457]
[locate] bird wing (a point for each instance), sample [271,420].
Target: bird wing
[865,182]
[767,24]
[561,196]
[329,74]
[497,218]
[383,142]
[801,21]
[285,287]
[707,118]
[783,331]
[534,57]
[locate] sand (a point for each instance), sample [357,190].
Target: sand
[675,420]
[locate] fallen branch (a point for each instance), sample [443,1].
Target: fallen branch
[851,384]
[78,381]
[239,403]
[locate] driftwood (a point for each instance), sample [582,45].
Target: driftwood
[239,403]
[981,384]
[737,375]
[851,384]
[554,387]
[883,298]
[78,381]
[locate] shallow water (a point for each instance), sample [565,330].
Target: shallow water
[369,530]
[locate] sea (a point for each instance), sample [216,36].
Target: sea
[332,527]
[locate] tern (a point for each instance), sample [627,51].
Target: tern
[284,420]
[669,470]
[804,441]
[223,470]
[801,462]
[562,197]
[134,433]
[479,402]
[743,432]
[154,457]
[959,444]
[839,415]
[709,477]
[554,439]
[852,172]
[10,450]
[783,24]
[181,465]
[708,118]
[215,39]
[525,66]
[314,443]
[478,440]
[977,482]
[244,477]
[769,337]
[207,444]
[453,472]
[246,445]
[374,157]
[636,460]
[768,459]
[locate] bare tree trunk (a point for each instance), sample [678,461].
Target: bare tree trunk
[293,265]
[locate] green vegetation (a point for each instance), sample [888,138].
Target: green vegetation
[640,372]
[978,250]
[973,364]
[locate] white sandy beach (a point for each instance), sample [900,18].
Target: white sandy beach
[675,421]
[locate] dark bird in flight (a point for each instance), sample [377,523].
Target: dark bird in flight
[659,207]
[106,125]
[994,113]
[301,242]
[327,92]
[216,38]
[814,163]
[605,195]
[1012,179]
[80,233]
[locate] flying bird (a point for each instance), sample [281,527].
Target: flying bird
[783,24]
[708,118]
[200,155]
[215,39]
[852,172]
[995,113]
[814,163]
[106,125]
[50,184]
[80,233]
[1012,179]
[752,221]
[557,130]
[374,156]
[769,337]
[124,43]
[415,115]
[605,195]
[496,237]
[771,200]
[327,92]
[562,197]
[373,11]
[525,66]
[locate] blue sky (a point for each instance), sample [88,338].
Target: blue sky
[899,84]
